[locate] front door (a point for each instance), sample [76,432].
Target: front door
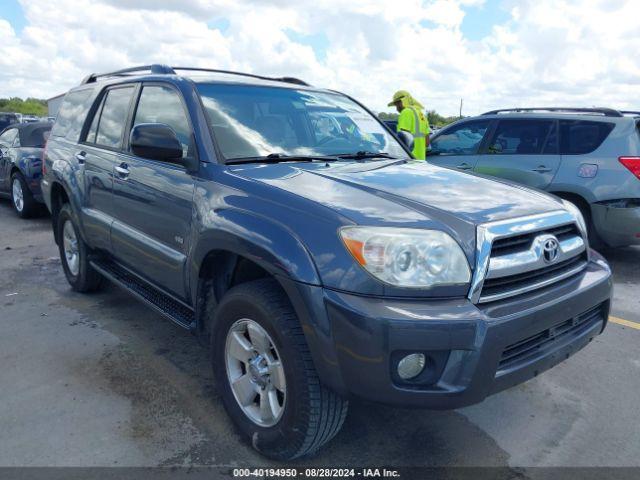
[457,146]
[153,199]
[522,150]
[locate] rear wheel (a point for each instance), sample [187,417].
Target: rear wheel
[21,197]
[595,241]
[74,254]
[266,376]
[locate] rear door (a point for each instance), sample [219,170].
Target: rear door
[522,150]
[99,154]
[458,145]
[153,199]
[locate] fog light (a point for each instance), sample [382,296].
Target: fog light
[411,366]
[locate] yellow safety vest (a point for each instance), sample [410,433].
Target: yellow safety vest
[412,120]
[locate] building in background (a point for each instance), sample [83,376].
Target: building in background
[53,104]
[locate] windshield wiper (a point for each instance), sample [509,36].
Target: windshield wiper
[280,157]
[364,154]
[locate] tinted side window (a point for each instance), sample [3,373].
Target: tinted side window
[72,114]
[582,136]
[462,139]
[113,117]
[520,137]
[160,104]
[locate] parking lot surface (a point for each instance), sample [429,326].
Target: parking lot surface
[102,380]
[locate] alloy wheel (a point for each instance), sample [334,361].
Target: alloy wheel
[18,195]
[255,372]
[70,245]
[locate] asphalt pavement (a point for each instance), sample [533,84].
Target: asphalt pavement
[102,380]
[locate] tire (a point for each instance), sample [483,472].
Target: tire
[309,414]
[595,241]
[74,254]
[22,199]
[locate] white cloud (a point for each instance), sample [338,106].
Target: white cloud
[550,52]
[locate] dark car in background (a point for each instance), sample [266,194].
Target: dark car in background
[7,119]
[21,165]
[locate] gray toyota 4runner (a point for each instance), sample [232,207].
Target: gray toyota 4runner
[590,157]
[286,226]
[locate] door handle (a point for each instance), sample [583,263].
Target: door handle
[122,170]
[541,169]
[81,157]
[464,166]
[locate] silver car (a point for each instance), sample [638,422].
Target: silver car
[590,157]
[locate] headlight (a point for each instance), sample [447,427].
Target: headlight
[575,211]
[408,257]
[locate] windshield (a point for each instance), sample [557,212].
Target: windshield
[254,121]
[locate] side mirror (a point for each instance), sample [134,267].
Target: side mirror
[406,138]
[156,141]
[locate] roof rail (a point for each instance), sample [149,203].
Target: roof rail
[155,68]
[607,112]
[297,81]
[167,70]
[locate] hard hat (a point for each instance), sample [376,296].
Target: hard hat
[399,95]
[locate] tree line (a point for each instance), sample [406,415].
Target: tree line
[30,106]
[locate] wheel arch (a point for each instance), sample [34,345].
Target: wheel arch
[59,197]
[577,198]
[243,247]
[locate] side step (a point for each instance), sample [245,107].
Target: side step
[163,303]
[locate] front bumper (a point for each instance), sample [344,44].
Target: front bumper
[467,343]
[617,226]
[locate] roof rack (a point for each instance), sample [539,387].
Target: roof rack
[155,68]
[167,70]
[607,112]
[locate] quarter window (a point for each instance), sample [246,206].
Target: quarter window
[462,139]
[160,104]
[72,114]
[113,117]
[522,137]
[582,136]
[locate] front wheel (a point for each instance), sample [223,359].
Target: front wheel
[266,376]
[74,254]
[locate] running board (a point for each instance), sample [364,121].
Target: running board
[163,303]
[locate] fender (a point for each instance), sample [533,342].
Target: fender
[277,250]
[63,175]
[269,244]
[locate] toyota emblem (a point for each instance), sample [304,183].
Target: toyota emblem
[550,249]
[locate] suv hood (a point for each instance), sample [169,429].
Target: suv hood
[391,192]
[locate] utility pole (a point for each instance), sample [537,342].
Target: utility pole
[461,108]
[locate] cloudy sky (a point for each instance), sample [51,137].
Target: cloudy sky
[491,53]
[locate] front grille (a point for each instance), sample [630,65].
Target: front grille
[505,246]
[499,287]
[516,263]
[538,344]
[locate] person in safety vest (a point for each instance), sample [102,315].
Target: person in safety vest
[412,120]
